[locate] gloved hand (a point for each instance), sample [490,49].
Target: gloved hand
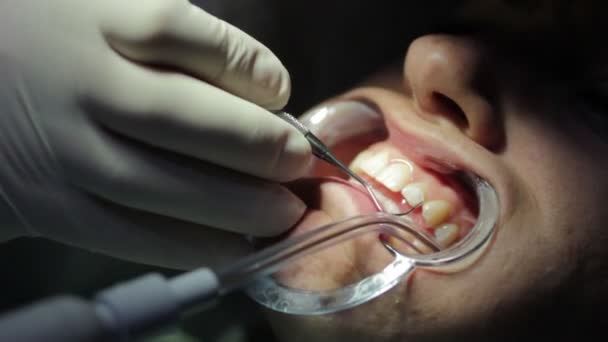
[131,127]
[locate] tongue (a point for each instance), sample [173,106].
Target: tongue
[329,199]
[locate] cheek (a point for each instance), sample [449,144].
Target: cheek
[564,170]
[564,182]
[561,181]
[562,187]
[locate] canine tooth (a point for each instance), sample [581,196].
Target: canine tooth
[435,212]
[414,193]
[395,175]
[446,234]
[375,163]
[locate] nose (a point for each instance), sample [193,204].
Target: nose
[452,86]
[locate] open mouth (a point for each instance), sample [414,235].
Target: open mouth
[403,175]
[450,203]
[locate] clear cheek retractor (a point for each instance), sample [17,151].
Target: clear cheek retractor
[270,292]
[255,273]
[139,306]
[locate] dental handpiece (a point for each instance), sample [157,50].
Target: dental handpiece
[321,151]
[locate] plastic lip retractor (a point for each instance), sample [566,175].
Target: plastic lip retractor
[273,295]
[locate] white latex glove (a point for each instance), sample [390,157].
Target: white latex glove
[116,135]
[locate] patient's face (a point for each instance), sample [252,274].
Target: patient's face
[457,104]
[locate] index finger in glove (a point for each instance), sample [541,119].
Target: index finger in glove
[181,114]
[183,36]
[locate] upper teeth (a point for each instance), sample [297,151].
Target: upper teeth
[414,193]
[446,234]
[435,212]
[396,176]
[376,163]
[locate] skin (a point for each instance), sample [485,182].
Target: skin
[544,274]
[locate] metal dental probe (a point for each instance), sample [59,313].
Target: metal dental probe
[321,151]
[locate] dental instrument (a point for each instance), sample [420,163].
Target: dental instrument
[322,151]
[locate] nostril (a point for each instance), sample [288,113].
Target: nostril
[450,110]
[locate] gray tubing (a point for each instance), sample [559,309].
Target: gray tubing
[124,312]
[56,319]
[151,303]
